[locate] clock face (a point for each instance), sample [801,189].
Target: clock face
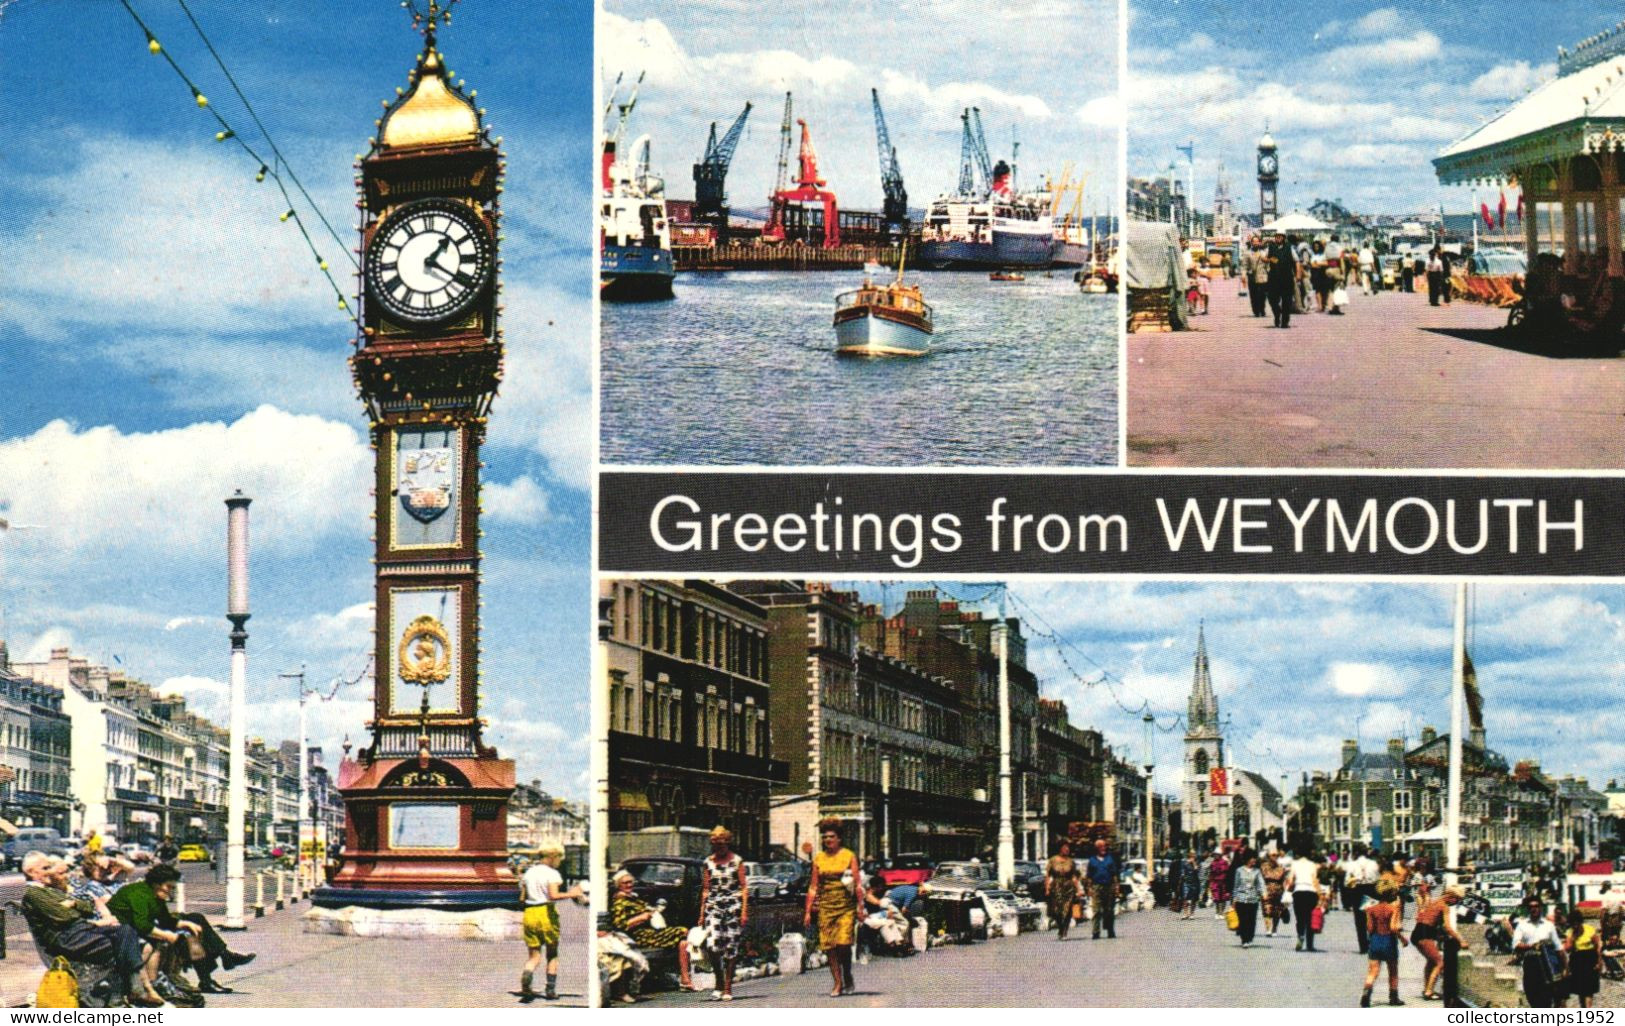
[429,262]
[1266,164]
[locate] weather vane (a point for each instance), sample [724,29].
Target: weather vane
[425,20]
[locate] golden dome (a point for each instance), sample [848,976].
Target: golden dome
[433,112]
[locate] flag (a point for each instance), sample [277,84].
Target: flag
[1469,685]
[1501,208]
[1218,782]
[1484,208]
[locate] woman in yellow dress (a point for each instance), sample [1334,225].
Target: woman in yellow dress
[836,888]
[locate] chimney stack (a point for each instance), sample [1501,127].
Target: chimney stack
[1350,750]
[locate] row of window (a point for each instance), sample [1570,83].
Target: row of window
[666,624]
[656,710]
[860,696]
[845,756]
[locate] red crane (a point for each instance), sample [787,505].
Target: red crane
[791,207]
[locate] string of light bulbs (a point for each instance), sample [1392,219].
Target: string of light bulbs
[273,168]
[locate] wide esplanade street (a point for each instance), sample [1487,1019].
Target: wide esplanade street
[1393,383]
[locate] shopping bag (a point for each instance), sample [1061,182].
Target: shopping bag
[1340,296]
[1232,921]
[59,988]
[1317,919]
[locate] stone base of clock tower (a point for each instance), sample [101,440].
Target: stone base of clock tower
[424,834]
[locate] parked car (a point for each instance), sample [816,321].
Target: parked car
[136,852]
[194,853]
[960,878]
[773,880]
[255,852]
[1029,879]
[907,868]
[673,879]
[33,839]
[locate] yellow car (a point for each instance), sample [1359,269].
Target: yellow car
[193,853]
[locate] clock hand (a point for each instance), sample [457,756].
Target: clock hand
[434,258]
[455,275]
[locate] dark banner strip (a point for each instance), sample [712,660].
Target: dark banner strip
[833,524]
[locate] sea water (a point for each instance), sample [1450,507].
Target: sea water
[740,369]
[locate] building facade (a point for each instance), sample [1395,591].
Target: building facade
[690,744]
[1219,800]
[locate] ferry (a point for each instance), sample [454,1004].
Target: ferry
[889,319]
[1003,229]
[635,261]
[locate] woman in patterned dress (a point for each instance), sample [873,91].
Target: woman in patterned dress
[837,889]
[1061,879]
[724,908]
[631,914]
[1274,888]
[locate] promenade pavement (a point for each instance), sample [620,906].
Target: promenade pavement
[1394,383]
[1157,960]
[294,969]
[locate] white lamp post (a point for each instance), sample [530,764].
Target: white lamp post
[237,792]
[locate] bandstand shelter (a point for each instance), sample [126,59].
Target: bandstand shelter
[1564,145]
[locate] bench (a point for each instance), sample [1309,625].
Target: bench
[100,986]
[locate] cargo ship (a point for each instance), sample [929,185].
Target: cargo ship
[635,262]
[1001,230]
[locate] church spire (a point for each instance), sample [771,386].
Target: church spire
[1202,713]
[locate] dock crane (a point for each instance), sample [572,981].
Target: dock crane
[807,210]
[710,176]
[967,156]
[894,210]
[612,140]
[782,181]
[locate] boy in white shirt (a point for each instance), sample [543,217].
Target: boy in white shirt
[541,887]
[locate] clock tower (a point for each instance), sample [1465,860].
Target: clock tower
[426,801]
[1269,173]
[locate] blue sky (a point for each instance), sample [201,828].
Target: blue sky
[1360,96]
[171,340]
[1295,664]
[1045,68]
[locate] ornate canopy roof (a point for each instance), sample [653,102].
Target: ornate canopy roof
[434,112]
[1580,111]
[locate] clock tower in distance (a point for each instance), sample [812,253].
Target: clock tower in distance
[1269,173]
[426,801]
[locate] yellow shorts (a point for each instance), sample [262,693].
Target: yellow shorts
[541,927]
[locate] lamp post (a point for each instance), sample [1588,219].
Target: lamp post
[1007,838]
[885,807]
[237,613]
[1150,818]
[304,774]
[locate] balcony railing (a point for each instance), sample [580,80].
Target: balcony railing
[658,752]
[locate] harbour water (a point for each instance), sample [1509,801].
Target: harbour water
[740,369]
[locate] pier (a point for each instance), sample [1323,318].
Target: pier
[781,258]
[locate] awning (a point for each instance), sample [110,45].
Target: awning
[1580,111]
[1297,221]
[629,801]
[7,827]
[143,816]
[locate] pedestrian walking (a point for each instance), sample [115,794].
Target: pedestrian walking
[541,887]
[1537,945]
[633,916]
[724,908]
[1061,877]
[1256,267]
[1384,927]
[1190,884]
[1435,273]
[1103,873]
[835,889]
[1583,948]
[1303,880]
[1434,922]
[1248,895]
[1218,883]
[1361,879]
[1369,273]
[1274,887]
[1283,280]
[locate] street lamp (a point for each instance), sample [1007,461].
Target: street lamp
[1150,790]
[304,776]
[885,806]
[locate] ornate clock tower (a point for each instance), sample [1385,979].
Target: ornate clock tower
[426,802]
[1269,173]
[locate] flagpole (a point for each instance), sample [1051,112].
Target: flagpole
[1458,701]
[1475,219]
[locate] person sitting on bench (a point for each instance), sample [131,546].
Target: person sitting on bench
[71,928]
[189,938]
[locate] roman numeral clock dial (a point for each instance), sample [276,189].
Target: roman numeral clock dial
[429,262]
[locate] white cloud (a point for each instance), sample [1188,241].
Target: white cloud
[1102,112]
[545,404]
[520,501]
[1360,680]
[100,488]
[1385,21]
[349,629]
[1509,81]
[1420,46]
[189,686]
[39,650]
